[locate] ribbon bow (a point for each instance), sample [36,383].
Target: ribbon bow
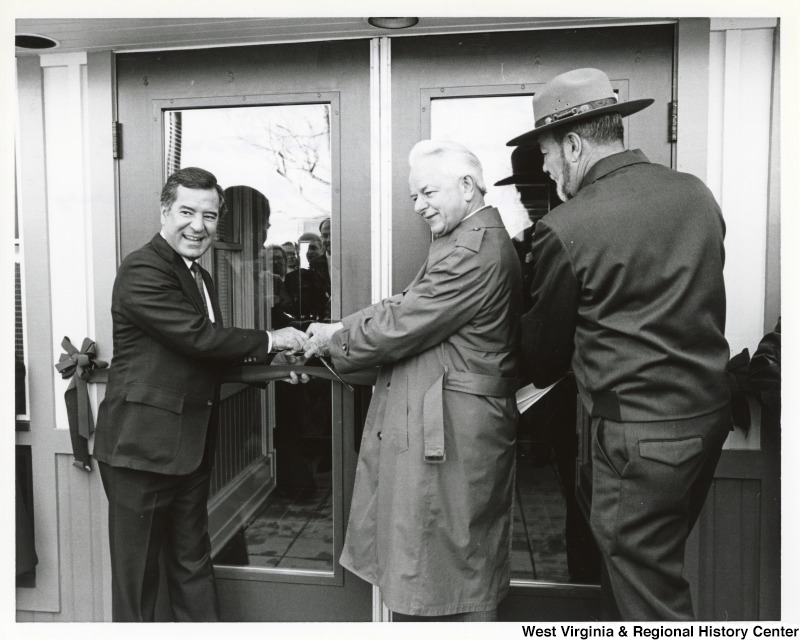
[83,367]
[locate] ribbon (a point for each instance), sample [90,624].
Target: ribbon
[261,374]
[82,367]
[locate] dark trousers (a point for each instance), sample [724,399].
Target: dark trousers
[649,483]
[147,512]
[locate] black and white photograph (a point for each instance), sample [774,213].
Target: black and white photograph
[445,318]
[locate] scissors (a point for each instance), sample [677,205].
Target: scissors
[336,375]
[300,360]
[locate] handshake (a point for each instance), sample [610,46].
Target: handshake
[316,341]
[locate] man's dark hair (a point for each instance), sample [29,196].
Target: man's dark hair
[605,129]
[323,222]
[191,178]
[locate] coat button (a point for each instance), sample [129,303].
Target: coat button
[380,436]
[210,402]
[388,384]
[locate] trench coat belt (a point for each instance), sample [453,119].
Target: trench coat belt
[433,404]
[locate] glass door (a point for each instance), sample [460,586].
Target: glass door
[479,94]
[271,494]
[268,123]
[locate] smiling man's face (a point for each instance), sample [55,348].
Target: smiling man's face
[439,198]
[190,223]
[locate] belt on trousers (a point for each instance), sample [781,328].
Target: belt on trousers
[433,404]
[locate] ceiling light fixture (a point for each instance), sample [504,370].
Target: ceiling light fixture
[34,41]
[393,23]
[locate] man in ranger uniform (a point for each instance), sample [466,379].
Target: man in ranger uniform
[628,290]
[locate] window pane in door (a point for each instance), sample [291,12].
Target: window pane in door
[271,504]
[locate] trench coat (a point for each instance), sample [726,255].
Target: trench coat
[431,515]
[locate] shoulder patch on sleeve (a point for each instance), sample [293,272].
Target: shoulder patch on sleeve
[471,239]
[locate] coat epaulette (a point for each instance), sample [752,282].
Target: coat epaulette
[471,239]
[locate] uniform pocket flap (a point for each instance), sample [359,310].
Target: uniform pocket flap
[155,397]
[671,452]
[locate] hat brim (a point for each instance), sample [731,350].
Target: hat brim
[519,178]
[622,108]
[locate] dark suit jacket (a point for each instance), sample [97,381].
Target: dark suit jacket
[628,286]
[163,391]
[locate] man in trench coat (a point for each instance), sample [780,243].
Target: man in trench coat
[431,516]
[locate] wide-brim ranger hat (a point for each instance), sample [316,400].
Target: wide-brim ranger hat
[575,95]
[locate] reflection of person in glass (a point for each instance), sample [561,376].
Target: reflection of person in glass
[431,514]
[548,427]
[629,291]
[276,257]
[314,243]
[156,428]
[279,301]
[531,183]
[321,265]
[317,287]
[308,298]
[292,261]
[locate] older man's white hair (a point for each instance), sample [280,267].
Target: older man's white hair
[454,160]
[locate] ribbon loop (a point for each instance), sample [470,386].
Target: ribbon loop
[82,367]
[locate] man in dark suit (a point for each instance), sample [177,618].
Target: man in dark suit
[157,425]
[628,286]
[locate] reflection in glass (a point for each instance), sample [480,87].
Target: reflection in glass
[551,539]
[271,504]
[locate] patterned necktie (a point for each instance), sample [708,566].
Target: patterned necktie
[198,279]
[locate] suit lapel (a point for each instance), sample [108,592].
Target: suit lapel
[185,276]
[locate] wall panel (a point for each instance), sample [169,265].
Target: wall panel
[730,562]
[59,246]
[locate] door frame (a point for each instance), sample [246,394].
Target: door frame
[498,58]
[290,70]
